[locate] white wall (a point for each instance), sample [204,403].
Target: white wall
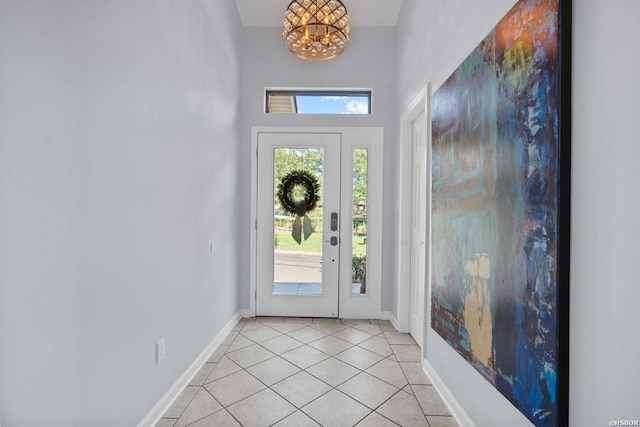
[605,273]
[118,168]
[268,64]
[605,235]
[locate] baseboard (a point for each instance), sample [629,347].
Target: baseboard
[152,418]
[455,408]
[245,312]
[387,315]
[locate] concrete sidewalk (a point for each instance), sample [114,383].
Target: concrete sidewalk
[298,267]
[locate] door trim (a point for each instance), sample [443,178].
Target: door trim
[368,306]
[420,105]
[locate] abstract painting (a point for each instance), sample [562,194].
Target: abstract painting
[500,171]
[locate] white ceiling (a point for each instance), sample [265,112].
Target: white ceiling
[362,13]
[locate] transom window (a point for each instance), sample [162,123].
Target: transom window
[318,102]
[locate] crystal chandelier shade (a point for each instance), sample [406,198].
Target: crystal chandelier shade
[316,29]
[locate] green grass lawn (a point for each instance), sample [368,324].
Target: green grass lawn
[313,243]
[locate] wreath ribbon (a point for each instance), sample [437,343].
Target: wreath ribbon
[302,223]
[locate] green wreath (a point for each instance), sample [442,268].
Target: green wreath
[311,192]
[299,208]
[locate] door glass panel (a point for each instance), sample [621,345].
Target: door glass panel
[360,174]
[297,221]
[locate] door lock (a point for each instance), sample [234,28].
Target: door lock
[333,241]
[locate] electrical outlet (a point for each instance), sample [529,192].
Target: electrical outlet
[160,351]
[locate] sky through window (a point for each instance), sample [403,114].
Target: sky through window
[332,104]
[313,102]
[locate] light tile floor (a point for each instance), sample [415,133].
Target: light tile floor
[308,372]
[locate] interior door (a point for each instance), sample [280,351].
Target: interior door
[418,229]
[298,250]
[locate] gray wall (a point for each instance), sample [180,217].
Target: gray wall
[605,236]
[268,64]
[118,169]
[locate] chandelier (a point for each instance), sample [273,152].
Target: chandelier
[316,29]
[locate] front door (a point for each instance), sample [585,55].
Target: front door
[298,224]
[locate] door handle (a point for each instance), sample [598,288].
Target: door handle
[333,241]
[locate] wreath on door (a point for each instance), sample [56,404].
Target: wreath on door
[303,183]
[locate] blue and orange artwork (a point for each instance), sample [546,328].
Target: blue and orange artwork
[495,170]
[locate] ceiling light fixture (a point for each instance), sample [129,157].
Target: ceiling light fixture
[316,29]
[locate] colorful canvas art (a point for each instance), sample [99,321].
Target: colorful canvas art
[497,219]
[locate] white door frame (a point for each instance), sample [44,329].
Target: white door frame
[352,306]
[420,105]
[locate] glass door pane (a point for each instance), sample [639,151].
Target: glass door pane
[360,175]
[297,221]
